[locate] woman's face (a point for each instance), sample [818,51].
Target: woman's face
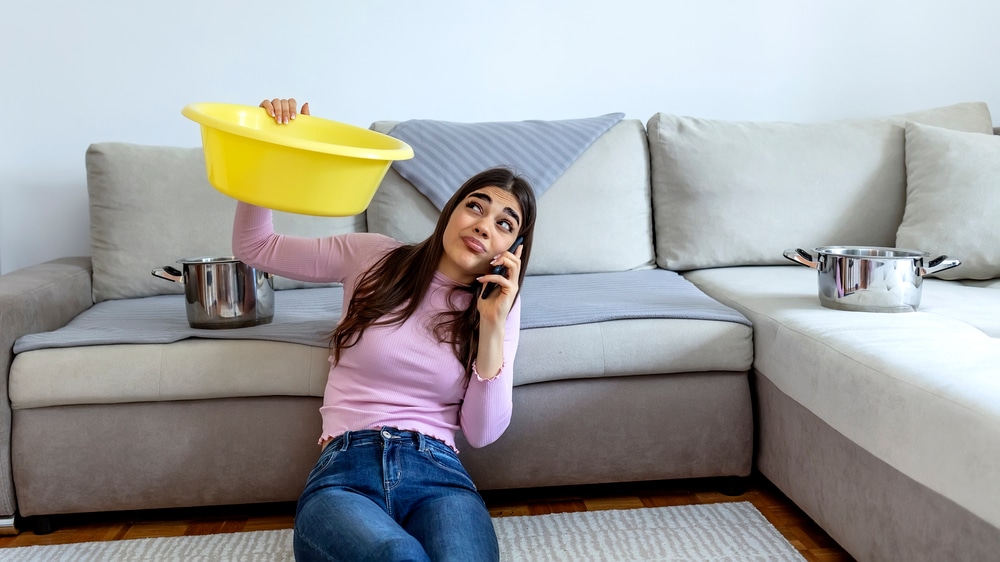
[482,226]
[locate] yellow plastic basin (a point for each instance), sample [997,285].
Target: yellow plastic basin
[310,166]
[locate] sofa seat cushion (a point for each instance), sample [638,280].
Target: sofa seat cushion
[308,316]
[196,369]
[632,347]
[920,390]
[976,304]
[192,369]
[588,325]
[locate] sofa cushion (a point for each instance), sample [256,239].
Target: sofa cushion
[918,390]
[116,374]
[951,199]
[152,205]
[110,374]
[307,316]
[596,217]
[739,193]
[572,327]
[448,153]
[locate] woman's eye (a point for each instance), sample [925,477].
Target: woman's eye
[474,206]
[506,225]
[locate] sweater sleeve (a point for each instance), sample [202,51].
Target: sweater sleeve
[320,260]
[487,408]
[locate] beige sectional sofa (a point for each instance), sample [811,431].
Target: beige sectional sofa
[884,428]
[217,419]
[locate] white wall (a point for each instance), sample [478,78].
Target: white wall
[74,72]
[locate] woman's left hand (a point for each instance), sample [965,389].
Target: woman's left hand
[495,308]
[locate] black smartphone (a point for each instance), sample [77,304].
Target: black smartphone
[500,269]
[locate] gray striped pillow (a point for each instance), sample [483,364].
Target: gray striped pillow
[448,153]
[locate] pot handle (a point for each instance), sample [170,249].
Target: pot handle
[939,263]
[801,256]
[169,273]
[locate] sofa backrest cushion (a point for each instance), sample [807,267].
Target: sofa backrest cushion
[952,202]
[739,193]
[152,205]
[595,218]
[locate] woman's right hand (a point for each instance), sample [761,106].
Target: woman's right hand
[283,110]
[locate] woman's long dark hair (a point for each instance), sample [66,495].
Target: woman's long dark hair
[392,288]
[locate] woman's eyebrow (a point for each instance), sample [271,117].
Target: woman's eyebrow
[513,214]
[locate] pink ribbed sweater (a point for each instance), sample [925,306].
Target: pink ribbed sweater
[398,376]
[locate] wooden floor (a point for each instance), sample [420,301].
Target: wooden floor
[806,536]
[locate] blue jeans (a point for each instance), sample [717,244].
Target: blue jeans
[391,495]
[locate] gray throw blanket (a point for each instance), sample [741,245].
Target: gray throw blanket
[307,316]
[446,153]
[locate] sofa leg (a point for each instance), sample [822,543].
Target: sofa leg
[8,525]
[41,524]
[733,485]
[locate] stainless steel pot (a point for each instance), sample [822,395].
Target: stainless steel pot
[870,279]
[223,292]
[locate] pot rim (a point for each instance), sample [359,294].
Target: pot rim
[209,260]
[872,252]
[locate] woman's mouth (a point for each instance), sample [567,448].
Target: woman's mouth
[474,245]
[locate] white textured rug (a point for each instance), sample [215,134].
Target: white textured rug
[712,532]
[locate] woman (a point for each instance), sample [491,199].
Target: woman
[418,354]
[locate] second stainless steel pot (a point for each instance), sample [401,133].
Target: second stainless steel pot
[870,279]
[223,292]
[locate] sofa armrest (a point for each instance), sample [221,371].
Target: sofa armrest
[40,298]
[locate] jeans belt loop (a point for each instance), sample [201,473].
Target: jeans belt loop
[345,441]
[421,441]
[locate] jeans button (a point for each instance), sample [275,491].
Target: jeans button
[386,434]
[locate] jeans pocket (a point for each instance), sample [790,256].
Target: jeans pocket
[445,458]
[325,458]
